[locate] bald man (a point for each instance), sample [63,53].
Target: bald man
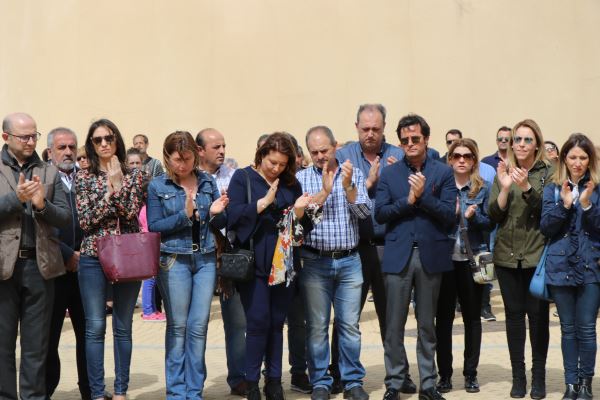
[33,205]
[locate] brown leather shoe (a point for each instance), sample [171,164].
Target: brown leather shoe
[240,389]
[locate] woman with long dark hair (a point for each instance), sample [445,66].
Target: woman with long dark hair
[571,222]
[108,199]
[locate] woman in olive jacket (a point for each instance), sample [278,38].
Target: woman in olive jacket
[571,222]
[516,205]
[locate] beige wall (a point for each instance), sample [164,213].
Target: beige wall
[248,67]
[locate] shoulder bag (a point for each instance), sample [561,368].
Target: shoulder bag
[238,264]
[482,265]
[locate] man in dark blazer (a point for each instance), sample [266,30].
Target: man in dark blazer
[416,199]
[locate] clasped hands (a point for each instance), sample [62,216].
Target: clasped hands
[31,190]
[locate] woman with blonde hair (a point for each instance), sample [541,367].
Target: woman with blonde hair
[516,206]
[571,222]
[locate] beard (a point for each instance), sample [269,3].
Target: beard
[67,165]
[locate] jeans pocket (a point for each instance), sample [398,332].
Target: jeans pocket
[167,261]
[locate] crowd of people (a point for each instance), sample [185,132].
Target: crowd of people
[398,221]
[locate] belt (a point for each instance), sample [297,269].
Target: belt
[26,253]
[195,247]
[335,254]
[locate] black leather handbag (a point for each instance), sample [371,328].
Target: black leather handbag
[237,264]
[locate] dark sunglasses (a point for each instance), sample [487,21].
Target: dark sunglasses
[466,156]
[503,139]
[98,139]
[413,139]
[81,158]
[526,140]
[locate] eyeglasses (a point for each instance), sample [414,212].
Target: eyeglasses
[551,148]
[503,139]
[26,138]
[81,158]
[466,156]
[526,140]
[98,139]
[413,139]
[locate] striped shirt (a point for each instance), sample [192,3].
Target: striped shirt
[338,229]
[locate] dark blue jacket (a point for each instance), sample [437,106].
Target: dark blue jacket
[574,240]
[429,222]
[70,235]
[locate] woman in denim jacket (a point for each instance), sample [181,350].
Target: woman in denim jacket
[571,222]
[181,205]
[472,200]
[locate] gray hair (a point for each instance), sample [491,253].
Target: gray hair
[371,107]
[321,128]
[59,130]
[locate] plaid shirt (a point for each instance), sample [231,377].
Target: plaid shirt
[338,229]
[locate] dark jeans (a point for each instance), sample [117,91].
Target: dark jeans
[577,308]
[25,300]
[297,335]
[67,297]
[458,282]
[514,287]
[372,278]
[234,325]
[266,308]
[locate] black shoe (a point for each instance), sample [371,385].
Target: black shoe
[538,388]
[356,393]
[430,394]
[519,388]
[337,386]
[571,392]
[585,389]
[274,390]
[444,385]
[300,383]
[391,394]
[487,315]
[320,393]
[471,384]
[408,387]
[253,392]
[240,389]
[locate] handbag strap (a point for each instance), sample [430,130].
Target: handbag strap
[465,238]
[248,197]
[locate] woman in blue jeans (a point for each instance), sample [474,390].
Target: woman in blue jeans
[107,196]
[181,205]
[571,222]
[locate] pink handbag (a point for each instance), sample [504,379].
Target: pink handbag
[130,256]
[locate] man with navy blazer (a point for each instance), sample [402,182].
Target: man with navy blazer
[416,199]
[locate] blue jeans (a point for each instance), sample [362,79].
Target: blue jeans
[234,324]
[187,283]
[148,298]
[325,281]
[93,286]
[577,308]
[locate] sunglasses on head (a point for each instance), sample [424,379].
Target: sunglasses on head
[466,156]
[503,139]
[98,139]
[526,140]
[551,148]
[413,139]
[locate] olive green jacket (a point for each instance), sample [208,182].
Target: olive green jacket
[518,237]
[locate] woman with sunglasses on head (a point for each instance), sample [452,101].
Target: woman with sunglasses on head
[571,222]
[471,206]
[516,205]
[108,199]
[182,204]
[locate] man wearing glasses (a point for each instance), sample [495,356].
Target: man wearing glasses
[451,136]
[32,206]
[502,140]
[416,197]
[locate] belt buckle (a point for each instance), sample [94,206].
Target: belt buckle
[337,254]
[195,247]
[21,251]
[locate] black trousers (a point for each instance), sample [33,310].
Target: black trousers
[514,287]
[25,301]
[372,278]
[458,283]
[67,297]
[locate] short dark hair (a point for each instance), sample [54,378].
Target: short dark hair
[413,119]
[90,150]
[454,132]
[503,128]
[132,151]
[281,142]
[262,138]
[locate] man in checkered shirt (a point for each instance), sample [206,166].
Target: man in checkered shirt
[332,272]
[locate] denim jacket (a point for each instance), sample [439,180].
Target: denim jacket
[166,214]
[574,239]
[479,225]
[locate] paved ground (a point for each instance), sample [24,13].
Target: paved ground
[147,368]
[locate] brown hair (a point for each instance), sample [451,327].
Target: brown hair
[561,173]
[179,142]
[279,141]
[475,178]
[540,153]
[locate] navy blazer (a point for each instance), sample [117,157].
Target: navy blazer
[428,222]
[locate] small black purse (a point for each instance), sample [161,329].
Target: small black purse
[237,264]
